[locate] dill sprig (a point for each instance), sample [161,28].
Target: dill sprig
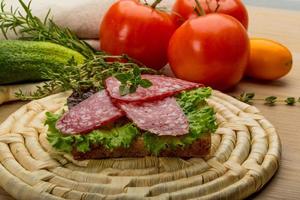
[29,27]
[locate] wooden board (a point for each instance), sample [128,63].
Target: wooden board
[283,26]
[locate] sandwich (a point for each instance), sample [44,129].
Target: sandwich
[169,118]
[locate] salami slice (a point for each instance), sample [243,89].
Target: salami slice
[162,86]
[161,117]
[90,114]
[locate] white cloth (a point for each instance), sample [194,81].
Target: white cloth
[81,16]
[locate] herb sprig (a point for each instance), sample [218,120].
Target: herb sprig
[90,75]
[270,100]
[30,27]
[97,67]
[131,81]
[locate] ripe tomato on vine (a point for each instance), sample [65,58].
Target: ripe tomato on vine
[138,30]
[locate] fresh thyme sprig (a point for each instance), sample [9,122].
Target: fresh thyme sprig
[270,100]
[30,27]
[90,75]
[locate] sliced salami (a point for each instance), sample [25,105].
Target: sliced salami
[161,117]
[89,115]
[162,87]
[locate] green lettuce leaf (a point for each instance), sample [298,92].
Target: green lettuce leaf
[55,138]
[119,136]
[191,100]
[115,137]
[201,120]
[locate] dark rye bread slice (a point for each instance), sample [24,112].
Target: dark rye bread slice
[199,148]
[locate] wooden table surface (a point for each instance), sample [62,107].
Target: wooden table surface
[282,26]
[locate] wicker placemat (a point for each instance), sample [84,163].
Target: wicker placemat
[245,155]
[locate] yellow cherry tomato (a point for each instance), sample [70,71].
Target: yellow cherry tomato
[269,60]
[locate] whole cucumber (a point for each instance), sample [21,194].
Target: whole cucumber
[24,61]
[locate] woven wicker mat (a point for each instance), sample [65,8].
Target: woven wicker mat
[245,155]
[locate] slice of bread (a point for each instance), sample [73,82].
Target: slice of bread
[199,148]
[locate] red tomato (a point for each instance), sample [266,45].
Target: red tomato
[234,8]
[211,49]
[143,33]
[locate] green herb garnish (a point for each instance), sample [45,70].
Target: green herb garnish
[271,100]
[250,98]
[30,27]
[91,74]
[131,81]
[246,97]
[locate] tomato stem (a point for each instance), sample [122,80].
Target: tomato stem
[199,9]
[156,2]
[208,6]
[218,6]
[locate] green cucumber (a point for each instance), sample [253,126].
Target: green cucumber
[24,61]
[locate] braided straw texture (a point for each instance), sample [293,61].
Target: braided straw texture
[245,154]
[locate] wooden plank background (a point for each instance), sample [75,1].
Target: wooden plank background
[282,26]
[282,4]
